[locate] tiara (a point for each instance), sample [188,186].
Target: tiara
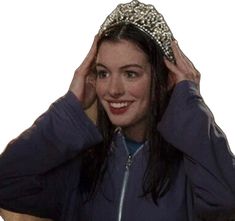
[147,19]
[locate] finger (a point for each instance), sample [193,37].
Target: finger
[93,48]
[172,67]
[86,66]
[91,54]
[178,54]
[180,57]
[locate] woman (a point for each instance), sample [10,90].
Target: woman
[155,153]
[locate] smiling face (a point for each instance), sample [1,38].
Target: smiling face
[123,86]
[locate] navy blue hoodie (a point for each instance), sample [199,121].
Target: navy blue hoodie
[39,170]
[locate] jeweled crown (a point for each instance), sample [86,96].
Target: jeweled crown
[147,19]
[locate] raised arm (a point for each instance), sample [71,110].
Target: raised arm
[189,125]
[34,166]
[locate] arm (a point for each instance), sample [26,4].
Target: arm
[56,137]
[189,126]
[36,168]
[59,134]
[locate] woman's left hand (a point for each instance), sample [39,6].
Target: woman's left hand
[182,69]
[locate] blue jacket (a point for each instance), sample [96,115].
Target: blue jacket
[39,170]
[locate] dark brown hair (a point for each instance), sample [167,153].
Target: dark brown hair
[161,156]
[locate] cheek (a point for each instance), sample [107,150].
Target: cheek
[141,91]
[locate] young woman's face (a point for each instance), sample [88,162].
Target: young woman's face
[123,85]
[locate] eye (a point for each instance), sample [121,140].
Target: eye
[102,74]
[131,74]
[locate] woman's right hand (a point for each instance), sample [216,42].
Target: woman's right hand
[83,83]
[183,69]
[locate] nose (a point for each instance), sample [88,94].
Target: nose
[116,87]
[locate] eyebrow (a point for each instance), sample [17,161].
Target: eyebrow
[123,67]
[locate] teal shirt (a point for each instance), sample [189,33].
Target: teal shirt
[132,145]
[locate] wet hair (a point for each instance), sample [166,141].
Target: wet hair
[162,157]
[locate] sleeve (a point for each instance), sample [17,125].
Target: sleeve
[190,127]
[33,166]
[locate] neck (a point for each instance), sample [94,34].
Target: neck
[135,133]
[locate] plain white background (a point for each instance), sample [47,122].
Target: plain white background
[43,41]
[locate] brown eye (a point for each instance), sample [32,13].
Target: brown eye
[131,74]
[102,74]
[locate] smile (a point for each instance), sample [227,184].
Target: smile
[119,107]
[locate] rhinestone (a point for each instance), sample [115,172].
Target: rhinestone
[147,19]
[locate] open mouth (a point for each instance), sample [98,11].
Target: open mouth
[119,107]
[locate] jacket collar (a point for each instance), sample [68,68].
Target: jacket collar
[119,141]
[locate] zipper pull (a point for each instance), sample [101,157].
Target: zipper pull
[129,162]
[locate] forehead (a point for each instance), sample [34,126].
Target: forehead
[120,52]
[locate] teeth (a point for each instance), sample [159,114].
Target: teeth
[119,105]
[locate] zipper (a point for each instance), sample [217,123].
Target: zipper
[124,184]
[126,174]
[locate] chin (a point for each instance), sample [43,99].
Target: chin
[120,124]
